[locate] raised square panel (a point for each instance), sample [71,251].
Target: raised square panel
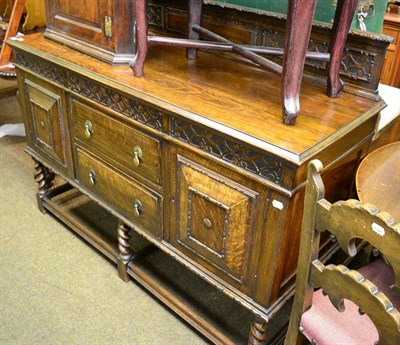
[42,118]
[214,221]
[46,110]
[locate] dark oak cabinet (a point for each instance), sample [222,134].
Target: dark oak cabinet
[196,161]
[391,68]
[101,28]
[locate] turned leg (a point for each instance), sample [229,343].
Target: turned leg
[258,331]
[141,37]
[125,253]
[195,10]
[298,29]
[44,178]
[344,15]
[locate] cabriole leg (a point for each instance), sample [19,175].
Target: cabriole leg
[44,178]
[195,11]
[298,29]
[344,15]
[141,37]
[125,253]
[258,332]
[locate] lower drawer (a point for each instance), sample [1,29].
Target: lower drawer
[139,204]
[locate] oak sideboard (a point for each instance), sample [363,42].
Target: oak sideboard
[194,158]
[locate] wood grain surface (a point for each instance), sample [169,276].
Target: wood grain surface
[378,179]
[222,92]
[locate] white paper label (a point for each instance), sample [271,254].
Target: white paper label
[277,204]
[378,229]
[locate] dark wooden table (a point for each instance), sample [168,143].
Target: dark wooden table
[378,179]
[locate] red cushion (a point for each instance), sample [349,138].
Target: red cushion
[382,275]
[324,323]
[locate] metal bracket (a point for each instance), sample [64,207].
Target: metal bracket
[108,26]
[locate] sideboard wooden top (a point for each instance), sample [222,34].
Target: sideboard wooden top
[233,97]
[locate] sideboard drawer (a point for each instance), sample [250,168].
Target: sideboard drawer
[141,205]
[137,152]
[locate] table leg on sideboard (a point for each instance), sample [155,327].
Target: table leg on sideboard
[344,15]
[125,253]
[141,37]
[298,29]
[44,178]
[195,12]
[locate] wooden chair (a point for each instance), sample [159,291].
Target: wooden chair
[35,17]
[298,29]
[349,307]
[5,54]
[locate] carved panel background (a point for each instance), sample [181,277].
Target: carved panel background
[155,15]
[356,64]
[361,66]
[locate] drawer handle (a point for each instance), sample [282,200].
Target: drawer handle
[88,129]
[92,177]
[137,156]
[42,124]
[138,208]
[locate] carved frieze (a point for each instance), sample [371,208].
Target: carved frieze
[266,166]
[117,101]
[41,67]
[114,100]
[356,64]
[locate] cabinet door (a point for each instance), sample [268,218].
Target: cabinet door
[46,122]
[216,221]
[83,20]
[391,68]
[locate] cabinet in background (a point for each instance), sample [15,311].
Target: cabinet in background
[391,68]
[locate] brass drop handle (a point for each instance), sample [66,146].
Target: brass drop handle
[137,208]
[92,177]
[88,129]
[137,156]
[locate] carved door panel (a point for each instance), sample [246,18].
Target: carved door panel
[215,221]
[47,123]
